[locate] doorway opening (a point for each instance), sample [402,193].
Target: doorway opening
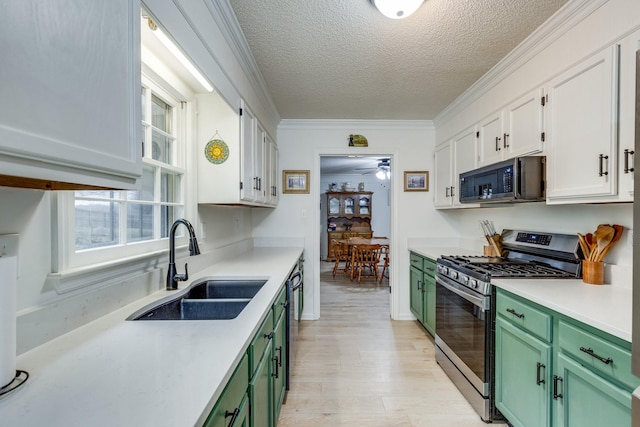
[355,202]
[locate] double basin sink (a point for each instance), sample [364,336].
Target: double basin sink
[214,299]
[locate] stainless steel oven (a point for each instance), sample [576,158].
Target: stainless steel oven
[465,301]
[464,341]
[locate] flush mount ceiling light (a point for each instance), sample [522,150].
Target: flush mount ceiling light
[397,9]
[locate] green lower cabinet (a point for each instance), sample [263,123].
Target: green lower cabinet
[585,399]
[523,376]
[279,363]
[261,393]
[416,293]
[233,403]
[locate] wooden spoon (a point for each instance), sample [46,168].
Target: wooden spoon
[586,249]
[604,235]
[618,234]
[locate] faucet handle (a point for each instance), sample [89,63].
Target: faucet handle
[182,277]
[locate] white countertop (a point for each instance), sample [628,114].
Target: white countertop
[605,307]
[113,372]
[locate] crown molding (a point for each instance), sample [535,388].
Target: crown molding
[352,125]
[553,28]
[224,16]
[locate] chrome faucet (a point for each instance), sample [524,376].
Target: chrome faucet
[172,275]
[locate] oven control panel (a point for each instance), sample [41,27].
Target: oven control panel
[534,238]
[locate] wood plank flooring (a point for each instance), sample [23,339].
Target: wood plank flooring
[357,367]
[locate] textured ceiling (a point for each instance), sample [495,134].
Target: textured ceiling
[337,59]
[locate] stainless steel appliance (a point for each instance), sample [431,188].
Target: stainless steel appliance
[295,304]
[465,317]
[520,179]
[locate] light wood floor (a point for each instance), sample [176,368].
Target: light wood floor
[357,367]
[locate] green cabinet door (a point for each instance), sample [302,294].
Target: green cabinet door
[430,303]
[586,399]
[523,376]
[279,366]
[416,293]
[261,392]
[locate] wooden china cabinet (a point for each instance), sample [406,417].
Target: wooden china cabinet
[348,215]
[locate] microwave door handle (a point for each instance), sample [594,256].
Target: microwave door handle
[517,181]
[477,301]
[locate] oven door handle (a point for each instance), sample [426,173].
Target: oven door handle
[477,301]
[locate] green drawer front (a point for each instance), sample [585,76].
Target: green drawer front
[416,261]
[429,267]
[260,342]
[279,305]
[232,396]
[603,356]
[525,316]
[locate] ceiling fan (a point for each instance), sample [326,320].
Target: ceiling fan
[382,170]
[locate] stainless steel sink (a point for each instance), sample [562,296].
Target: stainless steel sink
[208,300]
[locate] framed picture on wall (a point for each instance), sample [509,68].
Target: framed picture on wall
[416,181]
[295,182]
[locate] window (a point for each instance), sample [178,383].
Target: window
[112,225]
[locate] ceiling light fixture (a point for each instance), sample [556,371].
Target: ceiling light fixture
[175,51]
[384,170]
[397,9]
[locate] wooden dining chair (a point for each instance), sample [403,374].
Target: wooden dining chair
[342,255]
[385,262]
[365,261]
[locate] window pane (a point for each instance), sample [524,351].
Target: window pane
[148,185]
[98,194]
[96,224]
[169,187]
[169,214]
[161,147]
[144,102]
[139,222]
[161,112]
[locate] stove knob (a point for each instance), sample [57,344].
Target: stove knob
[465,280]
[454,274]
[473,283]
[444,270]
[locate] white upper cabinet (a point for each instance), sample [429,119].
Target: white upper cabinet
[70,90]
[581,124]
[451,159]
[241,175]
[490,139]
[515,130]
[523,131]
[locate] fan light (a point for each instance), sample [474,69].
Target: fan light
[397,9]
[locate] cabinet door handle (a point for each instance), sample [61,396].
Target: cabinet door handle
[497,143]
[539,368]
[590,352]
[446,191]
[279,356]
[515,313]
[275,364]
[419,285]
[452,187]
[269,335]
[505,141]
[628,153]
[602,158]
[556,380]
[233,415]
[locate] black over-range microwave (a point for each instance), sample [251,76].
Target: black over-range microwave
[521,179]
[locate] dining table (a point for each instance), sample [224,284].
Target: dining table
[354,241]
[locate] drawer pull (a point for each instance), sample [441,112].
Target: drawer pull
[556,380]
[269,335]
[515,313]
[539,367]
[233,415]
[590,352]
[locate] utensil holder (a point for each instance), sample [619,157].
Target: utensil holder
[593,272]
[488,250]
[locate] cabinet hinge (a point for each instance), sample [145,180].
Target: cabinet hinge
[544,100]
[143,149]
[477,134]
[241,185]
[241,111]
[542,136]
[183,104]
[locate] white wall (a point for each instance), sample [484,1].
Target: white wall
[410,146]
